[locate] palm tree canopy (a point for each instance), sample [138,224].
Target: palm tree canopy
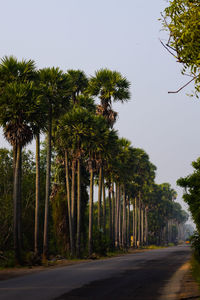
[19,102]
[13,70]
[109,85]
[54,89]
[78,82]
[81,131]
[18,112]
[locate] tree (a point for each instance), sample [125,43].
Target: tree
[40,126]
[96,144]
[192,192]
[108,86]
[78,82]
[181,20]
[18,111]
[75,131]
[53,86]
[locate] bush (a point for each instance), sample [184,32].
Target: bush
[31,259]
[101,243]
[195,242]
[7,259]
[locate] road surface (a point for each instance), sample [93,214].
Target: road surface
[144,275]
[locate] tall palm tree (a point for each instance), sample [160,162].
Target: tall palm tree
[104,155]
[53,85]
[108,86]
[18,131]
[18,111]
[75,128]
[95,145]
[40,126]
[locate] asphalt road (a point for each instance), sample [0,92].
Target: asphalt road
[134,276]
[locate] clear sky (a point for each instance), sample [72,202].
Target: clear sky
[121,35]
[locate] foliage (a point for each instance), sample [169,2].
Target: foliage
[83,142]
[182,20]
[28,199]
[108,86]
[195,242]
[191,185]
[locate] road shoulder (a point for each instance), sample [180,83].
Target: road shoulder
[189,287]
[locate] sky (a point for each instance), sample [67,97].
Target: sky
[121,35]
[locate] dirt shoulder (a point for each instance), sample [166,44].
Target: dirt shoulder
[189,287]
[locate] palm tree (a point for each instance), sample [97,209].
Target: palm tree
[40,126]
[124,175]
[78,82]
[18,131]
[75,128]
[53,87]
[18,111]
[103,156]
[95,144]
[99,144]
[108,86]
[13,70]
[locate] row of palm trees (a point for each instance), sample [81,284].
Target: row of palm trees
[32,101]
[62,105]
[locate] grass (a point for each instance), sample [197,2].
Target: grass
[154,247]
[195,264]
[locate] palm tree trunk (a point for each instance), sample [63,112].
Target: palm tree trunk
[146,226]
[20,201]
[104,205]
[37,194]
[139,221]
[117,217]
[124,224]
[99,199]
[69,204]
[128,222]
[136,221]
[133,223]
[110,215]
[78,241]
[90,240]
[17,210]
[142,225]
[14,158]
[120,218]
[48,184]
[73,199]
[113,216]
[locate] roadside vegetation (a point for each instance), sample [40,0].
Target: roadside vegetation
[181,21]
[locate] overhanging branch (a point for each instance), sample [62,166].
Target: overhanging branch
[166,47]
[175,92]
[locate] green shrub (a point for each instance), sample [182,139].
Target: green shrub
[7,259]
[195,243]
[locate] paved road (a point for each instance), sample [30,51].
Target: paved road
[133,276]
